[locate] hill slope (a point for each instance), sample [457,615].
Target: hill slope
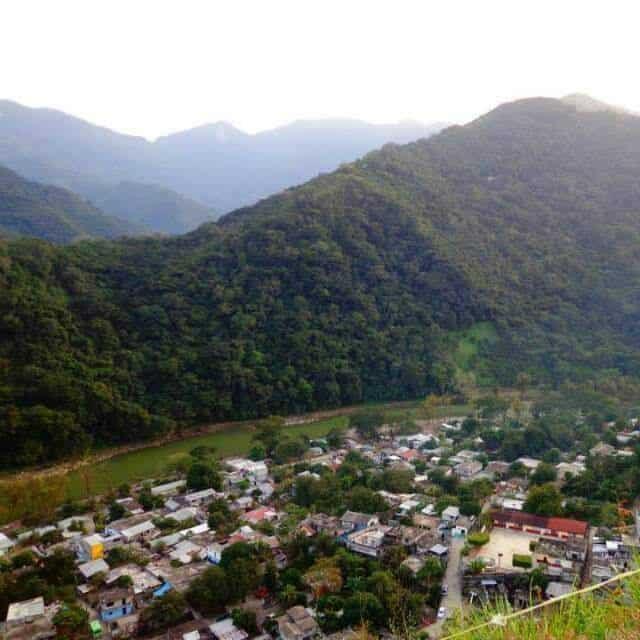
[214,164]
[50,213]
[358,285]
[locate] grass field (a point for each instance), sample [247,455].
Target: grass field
[153,461]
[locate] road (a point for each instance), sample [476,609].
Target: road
[453,579]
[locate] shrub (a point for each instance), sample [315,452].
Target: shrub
[478,539]
[521,560]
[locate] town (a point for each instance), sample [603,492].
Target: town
[381,527]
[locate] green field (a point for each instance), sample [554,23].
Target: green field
[152,462]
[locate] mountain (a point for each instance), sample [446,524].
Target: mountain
[50,213]
[227,168]
[507,246]
[150,206]
[215,166]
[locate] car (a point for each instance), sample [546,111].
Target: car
[442,613]
[444,590]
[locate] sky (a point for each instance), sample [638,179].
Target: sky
[151,67]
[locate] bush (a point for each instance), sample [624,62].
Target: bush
[521,560]
[478,539]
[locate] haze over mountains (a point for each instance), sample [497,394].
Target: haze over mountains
[517,235]
[182,180]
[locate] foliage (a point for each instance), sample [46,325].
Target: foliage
[522,560]
[544,500]
[164,612]
[477,539]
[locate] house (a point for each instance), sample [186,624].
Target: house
[354,521]
[91,547]
[143,531]
[497,467]
[93,567]
[451,514]
[28,620]
[186,513]
[200,498]
[226,630]
[214,552]
[6,544]
[413,563]
[186,552]
[467,469]
[562,528]
[169,488]
[573,468]
[262,514]
[407,507]
[114,604]
[297,624]
[602,449]
[530,464]
[439,551]
[367,541]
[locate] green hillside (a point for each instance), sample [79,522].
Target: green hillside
[509,245]
[51,213]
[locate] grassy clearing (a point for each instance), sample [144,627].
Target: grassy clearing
[593,616]
[153,461]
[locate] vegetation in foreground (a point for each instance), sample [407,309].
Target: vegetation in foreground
[608,615]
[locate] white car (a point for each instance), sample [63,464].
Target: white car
[444,589]
[442,613]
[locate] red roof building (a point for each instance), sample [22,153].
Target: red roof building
[562,528]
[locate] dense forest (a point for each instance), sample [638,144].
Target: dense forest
[356,286]
[51,213]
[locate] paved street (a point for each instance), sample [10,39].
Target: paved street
[453,579]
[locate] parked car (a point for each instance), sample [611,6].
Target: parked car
[442,613]
[445,589]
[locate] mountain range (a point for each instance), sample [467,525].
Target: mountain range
[507,246]
[178,182]
[43,211]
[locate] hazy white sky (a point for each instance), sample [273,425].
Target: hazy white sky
[149,67]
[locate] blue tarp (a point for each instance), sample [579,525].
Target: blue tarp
[162,590]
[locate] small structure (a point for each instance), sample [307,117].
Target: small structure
[115,604]
[27,620]
[602,449]
[226,630]
[367,541]
[297,624]
[92,568]
[355,521]
[169,488]
[451,514]
[91,547]
[143,531]
[6,544]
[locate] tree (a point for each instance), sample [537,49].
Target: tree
[363,608]
[270,577]
[365,500]
[245,619]
[543,473]
[366,424]
[544,500]
[324,577]
[204,475]
[116,511]
[164,612]
[258,452]
[71,623]
[268,432]
[209,592]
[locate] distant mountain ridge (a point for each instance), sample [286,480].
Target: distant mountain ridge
[211,169]
[51,213]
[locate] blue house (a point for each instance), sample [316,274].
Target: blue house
[115,604]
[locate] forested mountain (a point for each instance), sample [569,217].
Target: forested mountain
[358,285]
[217,165]
[150,206]
[51,213]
